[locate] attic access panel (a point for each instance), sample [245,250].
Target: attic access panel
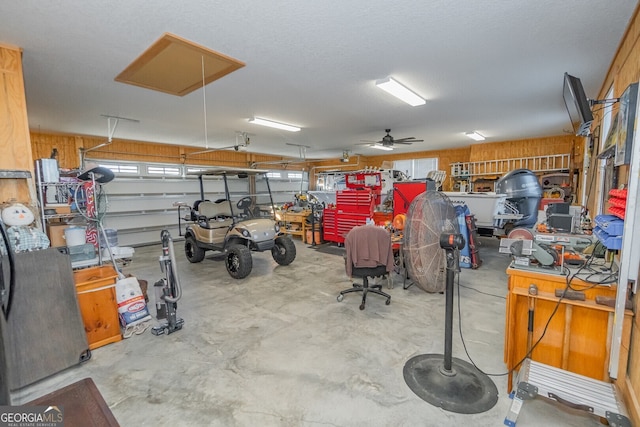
[174,65]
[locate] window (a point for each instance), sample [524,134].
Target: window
[120,168]
[194,170]
[163,170]
[416,168]
[273,175]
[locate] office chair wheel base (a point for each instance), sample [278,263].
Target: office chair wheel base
[340,298]
[361,306]
[388,302]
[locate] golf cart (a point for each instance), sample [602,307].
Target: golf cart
[241,222]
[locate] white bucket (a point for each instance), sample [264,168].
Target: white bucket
[75,236]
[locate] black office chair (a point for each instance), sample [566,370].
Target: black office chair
[369,254]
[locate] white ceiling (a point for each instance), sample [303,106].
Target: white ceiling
[495,66]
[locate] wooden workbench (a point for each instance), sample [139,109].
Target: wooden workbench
[578,337]
[294,223]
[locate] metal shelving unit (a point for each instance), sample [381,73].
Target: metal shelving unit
[64,193]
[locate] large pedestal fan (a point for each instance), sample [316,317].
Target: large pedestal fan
[432,242]
[429,215]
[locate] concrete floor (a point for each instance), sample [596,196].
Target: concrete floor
[277,349]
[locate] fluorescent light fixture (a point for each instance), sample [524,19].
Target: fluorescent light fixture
[382,147]
[272,124]
[396,89]
[475,136]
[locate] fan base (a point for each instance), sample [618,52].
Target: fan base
[463,389]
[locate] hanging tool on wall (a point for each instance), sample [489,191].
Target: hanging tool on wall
[168,290]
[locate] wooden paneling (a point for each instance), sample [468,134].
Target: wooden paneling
[70,146]
[562,144]
[522,148]
[149,70]
[44,144]
[577,339]
[624,70]
[15,145]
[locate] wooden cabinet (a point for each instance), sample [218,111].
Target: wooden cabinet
[95,288]
[578,336]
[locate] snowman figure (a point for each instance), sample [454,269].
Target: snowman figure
[23,237]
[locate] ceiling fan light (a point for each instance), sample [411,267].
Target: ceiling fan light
[401,92]
[475,136]
[382,147]
[272,124]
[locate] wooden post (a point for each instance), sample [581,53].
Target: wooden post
[15,142]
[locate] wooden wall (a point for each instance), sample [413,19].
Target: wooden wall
[624,70]
[69,148]
[495,151]
[15,145]
[532,147]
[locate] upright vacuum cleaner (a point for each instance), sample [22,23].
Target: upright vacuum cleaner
[168,290]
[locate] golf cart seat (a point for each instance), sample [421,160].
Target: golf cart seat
[215,214]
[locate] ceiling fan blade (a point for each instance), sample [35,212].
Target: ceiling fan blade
[409,139]
[403,142]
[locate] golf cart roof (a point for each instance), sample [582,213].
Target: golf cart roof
[222,170]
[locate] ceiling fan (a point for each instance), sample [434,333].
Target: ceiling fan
[389,141]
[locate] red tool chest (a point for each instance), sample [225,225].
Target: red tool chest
[353,208]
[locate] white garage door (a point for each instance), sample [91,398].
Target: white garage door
[141,198]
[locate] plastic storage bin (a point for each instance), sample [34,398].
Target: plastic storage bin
[609,241]
[82,252]
[610,224]
[112,238]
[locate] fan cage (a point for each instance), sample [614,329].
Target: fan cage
[430,214]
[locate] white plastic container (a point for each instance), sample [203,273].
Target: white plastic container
[75,236]
[111,236]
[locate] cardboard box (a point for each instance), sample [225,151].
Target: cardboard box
[55,231]
[63,210]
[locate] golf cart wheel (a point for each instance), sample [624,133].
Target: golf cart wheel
[284,251]
[192,251]
[239,262]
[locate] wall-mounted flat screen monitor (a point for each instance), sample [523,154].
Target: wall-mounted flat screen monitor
[626,124]
[577,105]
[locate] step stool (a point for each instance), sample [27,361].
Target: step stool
[573,390]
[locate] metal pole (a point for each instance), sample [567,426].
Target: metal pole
[313,224]
[448,321]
